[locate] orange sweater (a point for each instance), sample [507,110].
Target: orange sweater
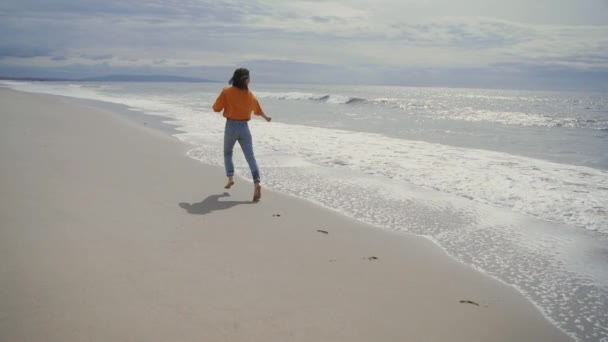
[237,104]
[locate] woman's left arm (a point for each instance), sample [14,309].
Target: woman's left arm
[267,118]
[257,110]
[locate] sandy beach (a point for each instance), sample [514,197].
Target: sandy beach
[109,232]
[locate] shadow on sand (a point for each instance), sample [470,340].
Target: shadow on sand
[211,203]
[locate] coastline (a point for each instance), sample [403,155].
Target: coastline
[111,233]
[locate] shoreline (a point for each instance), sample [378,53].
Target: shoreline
[349,243]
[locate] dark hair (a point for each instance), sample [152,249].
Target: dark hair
[239,79]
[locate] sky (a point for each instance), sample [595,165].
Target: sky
[475,43]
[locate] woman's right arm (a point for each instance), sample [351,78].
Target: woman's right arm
[257,110]
[220,103]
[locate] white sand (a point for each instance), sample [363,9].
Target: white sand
[95,246]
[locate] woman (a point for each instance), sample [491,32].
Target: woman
[238,102]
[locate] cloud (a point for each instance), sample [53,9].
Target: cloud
[97,57]
[22,51]
[338,37]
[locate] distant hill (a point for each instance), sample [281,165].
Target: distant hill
[115,78]
[33,79]
[143,78]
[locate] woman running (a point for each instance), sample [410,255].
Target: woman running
[238,102]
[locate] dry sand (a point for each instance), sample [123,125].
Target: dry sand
[108,232]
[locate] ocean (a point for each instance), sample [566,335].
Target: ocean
[511,182]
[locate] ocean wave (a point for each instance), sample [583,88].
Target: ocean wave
[298,96]
[562,193]
[355,100]
[521,119]
[437,109]
[553,192]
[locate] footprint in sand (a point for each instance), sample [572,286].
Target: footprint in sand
[468,302]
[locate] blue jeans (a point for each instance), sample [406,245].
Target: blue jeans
[239,131]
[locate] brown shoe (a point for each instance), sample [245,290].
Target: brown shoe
[257,193]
